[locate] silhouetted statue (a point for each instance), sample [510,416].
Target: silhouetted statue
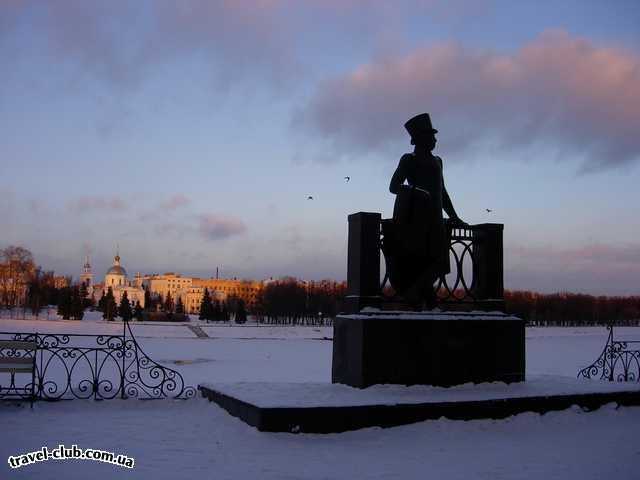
[416,243]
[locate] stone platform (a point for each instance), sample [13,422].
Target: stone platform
[427,348]
[327,408]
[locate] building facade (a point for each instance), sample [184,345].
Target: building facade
[221,289]
[116,279]
[86,277]
[165,284]
[191,290]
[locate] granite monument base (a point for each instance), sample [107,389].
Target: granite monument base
[427,348]
[331,408]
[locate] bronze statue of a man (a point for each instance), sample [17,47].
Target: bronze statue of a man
[417,243]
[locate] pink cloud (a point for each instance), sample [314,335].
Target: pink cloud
[559,89]
[176,201]
[171,228]
[38,207]
[216,227]
[120,41]
[595,268]
[90,203]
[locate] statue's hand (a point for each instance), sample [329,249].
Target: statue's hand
[426,193]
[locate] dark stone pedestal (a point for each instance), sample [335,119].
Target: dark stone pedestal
[427,348]
[293,408]
[363,262]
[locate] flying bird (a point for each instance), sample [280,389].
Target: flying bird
[488,210]
[347,178]
[309,197]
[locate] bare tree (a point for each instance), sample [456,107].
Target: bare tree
[16,270]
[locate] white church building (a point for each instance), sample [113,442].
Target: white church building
[116,279]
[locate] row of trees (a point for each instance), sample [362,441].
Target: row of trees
[573,309]
[154,303]
[71,303]
[42,291]
[216,311]
[25,285]
[110,309]
[285,301]
[288,301]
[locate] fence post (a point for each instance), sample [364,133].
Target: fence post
[124,351]
[488,270]
[35,367]
[609,353]
[363,262]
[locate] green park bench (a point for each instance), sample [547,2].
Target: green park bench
[18,356]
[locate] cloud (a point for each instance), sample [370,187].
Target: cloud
[176,201]
[559,89]
[159,214]
[90,203]
[216,227]
[9,13]
[38,207]
[121,42]
[7,205]
[166,228]
[626,255]
[596,268]
[87,248]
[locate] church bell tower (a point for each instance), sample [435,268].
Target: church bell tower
[86,277]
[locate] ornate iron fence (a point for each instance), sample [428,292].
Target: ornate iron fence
[476,276]
[461,251]
[95,366]
[619,361]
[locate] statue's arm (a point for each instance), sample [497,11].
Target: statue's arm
[399,176]
[447,204]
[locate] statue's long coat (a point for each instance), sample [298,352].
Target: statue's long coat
[418,236]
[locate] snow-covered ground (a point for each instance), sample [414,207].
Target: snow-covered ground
[197,439]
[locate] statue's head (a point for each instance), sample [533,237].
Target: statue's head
[422,131]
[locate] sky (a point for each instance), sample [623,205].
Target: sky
[188,135]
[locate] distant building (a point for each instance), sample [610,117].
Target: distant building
[60,281]
[116,279]
[192,298]
[167,283]
[191,290]
[86,277]
[221,289]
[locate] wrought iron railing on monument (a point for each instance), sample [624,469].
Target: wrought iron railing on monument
[475,281]
[619,361]
[90,366]
[476,277]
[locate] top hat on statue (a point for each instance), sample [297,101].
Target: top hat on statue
[419,127]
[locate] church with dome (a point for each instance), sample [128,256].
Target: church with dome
[116,279]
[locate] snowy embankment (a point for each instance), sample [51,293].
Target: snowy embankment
[300,354]
[93,324]
[197,439]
